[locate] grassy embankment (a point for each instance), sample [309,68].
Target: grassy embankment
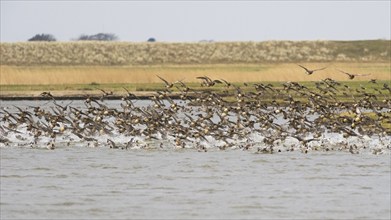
[82,67]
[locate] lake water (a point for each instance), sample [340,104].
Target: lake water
[102,183]
[77,181]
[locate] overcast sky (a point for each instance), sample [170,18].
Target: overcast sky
[186,21]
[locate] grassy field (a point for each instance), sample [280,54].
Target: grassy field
[63,75]
[128,53]
[72,67]
[79,80]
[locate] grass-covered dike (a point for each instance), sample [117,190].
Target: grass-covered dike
[128,53]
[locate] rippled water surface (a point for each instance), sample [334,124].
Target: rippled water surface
[75,181]
[79,182]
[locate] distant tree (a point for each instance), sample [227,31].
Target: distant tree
[206,41]
[43,37]
[99,37]
[83,37]
[151,39]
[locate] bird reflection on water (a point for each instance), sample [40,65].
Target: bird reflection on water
[266,119]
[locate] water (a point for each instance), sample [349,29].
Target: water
[102,183]
[79,181]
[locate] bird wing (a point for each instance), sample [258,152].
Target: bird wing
[297,137]
[226,82]
[217,81]
[320,69]
[126,90]
[180,82]
[303,67]
[368,74]
[207,79]
[103,91]
[349,74]
[203,78]
[165,81]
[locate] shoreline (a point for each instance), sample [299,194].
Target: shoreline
[35,96]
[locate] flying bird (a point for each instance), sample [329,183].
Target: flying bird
[351,76]
[106,93]
[308,71]
[168,84]
[207,81]
[47,95]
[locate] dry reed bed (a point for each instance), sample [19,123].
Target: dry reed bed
[52,75]
[127,53]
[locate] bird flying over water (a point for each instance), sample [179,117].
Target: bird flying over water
[47,95]
[106,93]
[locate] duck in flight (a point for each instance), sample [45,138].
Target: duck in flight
[351,76]
[208,82]
[310,72]
[169,85]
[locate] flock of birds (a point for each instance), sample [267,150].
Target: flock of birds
[260,117]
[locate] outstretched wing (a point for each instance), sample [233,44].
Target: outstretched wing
[303,67]
[104,92]
[226,82]
[368,74]
[320,69]
[165,81]
[349,74]
[204,78]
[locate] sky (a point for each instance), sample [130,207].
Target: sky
[193,21]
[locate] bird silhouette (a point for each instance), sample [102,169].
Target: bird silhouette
[168,84]
[310,72]
[351,75]
[208,82]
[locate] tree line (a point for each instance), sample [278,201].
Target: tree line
[83,37]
